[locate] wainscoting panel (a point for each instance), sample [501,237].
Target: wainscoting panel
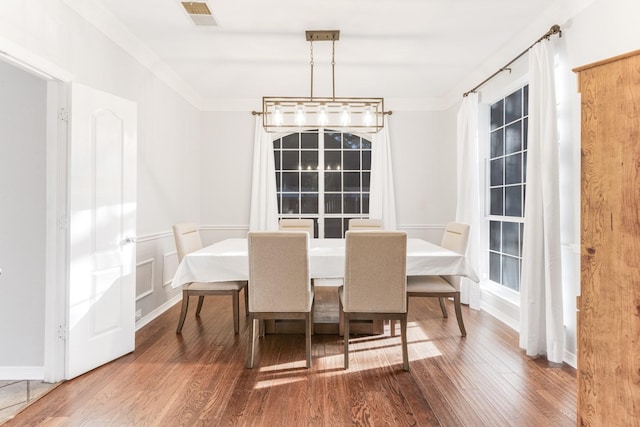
[144,278]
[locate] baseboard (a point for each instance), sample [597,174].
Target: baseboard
[11,373]
[570,359]
[158,311]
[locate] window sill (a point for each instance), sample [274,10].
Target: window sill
[501,292]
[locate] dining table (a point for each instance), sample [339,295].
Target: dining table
[229,260]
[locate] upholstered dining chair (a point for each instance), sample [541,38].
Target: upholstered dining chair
[294,224]
[187,238]
[280,282]
[455,238]
[375,282]
[365,224]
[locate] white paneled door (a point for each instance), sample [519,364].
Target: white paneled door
[102,199]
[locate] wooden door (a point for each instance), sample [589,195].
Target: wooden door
[609,305]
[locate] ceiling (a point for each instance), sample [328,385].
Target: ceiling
[398,49]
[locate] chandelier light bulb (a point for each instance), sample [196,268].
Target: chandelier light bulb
[345,116]
[300,118]
[278,116]
[323,115]
[367,116]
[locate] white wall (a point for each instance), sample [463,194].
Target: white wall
[22,217]
[423,155]
[50,34]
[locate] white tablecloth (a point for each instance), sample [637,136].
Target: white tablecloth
[228,260]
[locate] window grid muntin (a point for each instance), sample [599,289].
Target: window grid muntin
[506,155]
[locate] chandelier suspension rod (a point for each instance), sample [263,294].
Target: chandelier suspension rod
[333,66]
[311,49]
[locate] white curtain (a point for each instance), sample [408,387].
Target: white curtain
[264,202]
[382,201]
[541,317]
[468,191]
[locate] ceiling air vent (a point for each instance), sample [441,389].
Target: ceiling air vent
[199,13]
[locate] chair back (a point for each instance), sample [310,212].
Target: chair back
[279,278]
[187,238]
[375,276]
[293,224]
[365,224]
[455,238]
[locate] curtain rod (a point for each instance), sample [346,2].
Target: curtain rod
[555,29]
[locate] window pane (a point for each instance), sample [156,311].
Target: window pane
[351,141]
[366,181]
[333,203]
[290,160]
[513,201]
[309,181]
[513,137]
[513,169]
[366,144]
[351,181]
[291,141]
[309,160]
[525,100]
[278,182]
[497,143]
[494,267]
[524,167]
[513,106]
[309,203]
[290,181]
[510,238]
[333,228]
[332,160]
[365,203]
[511,272]
[496,201]
[290,204]
[494,235]
[351,203]
[277,143]
[276,158]
[366,160]
[351,161]
[332,140]
[496,168]
[333,181]
[497,118]
[525,132]
[309,140]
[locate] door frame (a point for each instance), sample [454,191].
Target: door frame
[57,205]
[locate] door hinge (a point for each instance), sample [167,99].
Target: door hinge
[63,115]
[62,333]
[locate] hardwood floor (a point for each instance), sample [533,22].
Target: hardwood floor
[199,378]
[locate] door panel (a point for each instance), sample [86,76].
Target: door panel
[102,210]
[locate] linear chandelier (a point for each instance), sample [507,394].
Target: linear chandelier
[282,113]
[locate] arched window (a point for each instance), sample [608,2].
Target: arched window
[323,175]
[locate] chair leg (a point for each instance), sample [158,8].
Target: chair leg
[200,301]
[236,311]
[246,300]
[183,312]
[346,341]
[443,307]
[252,342]
[308,327]
[392,327]
[456,303]
[405,352]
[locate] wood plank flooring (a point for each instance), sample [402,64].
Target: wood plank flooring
[199,378]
